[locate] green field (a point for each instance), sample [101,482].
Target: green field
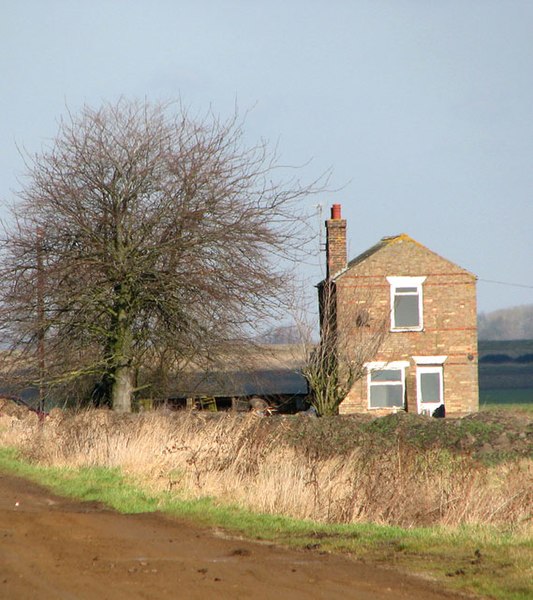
[506,396]
[506,373]
[502,398]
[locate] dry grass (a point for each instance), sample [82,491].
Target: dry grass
[252,462]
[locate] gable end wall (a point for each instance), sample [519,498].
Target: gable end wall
[450,322]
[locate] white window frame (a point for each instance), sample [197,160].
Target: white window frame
[399,365]
[429,407]
[411,282]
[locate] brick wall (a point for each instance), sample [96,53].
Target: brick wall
[449,313]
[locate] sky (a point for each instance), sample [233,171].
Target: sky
[422,109]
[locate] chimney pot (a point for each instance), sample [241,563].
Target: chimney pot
[336,211]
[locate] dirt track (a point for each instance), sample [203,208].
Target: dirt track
[53,548]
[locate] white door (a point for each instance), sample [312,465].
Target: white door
[430,388]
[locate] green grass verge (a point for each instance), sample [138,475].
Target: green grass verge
[479,560]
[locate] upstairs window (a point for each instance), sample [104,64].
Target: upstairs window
[406,303]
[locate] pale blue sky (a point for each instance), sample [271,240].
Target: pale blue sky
[423,108]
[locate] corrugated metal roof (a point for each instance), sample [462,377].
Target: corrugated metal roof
[258,382]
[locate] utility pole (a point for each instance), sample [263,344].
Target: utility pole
[40,317]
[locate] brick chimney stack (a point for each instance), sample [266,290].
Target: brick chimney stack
[336,255]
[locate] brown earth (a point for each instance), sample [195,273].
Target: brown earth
[55,548]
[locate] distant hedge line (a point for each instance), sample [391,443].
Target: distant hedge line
[505,358]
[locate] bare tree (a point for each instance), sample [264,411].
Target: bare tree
[337,361]
[141,229]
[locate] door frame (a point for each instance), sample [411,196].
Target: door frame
[425,407]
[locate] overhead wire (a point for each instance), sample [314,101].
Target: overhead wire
[521,285]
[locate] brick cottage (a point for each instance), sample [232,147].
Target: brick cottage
[422,306]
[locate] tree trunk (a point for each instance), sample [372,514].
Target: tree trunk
[122,371]
[122,389]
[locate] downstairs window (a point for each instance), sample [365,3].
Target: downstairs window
[386,385]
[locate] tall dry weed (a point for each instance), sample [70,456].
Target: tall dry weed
[248,461]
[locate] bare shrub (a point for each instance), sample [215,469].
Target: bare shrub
[332,366]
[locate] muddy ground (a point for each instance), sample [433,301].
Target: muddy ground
[55,548]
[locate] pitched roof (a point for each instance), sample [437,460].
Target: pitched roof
[384,241]
[389,241]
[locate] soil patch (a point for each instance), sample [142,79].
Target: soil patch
[52,548]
